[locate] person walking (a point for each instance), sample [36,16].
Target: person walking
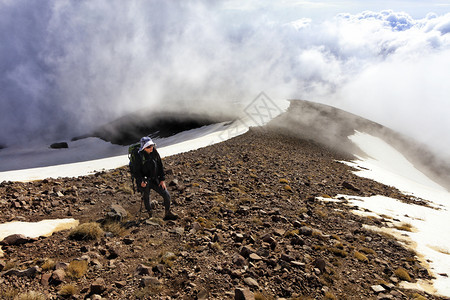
[150,176]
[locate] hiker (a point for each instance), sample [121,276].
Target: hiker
[150,175]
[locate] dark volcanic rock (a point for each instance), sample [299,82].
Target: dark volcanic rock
[16,239]
[243,294]
[61,145]
[117,212]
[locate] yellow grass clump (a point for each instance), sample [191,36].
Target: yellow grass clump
[367,250]
[418,296]
[48,264]
[67,290]
[115,228]
[86,231]
[8,293]
[282,180]
[402,274]
[361,257]
[405,227]
[288,188]
[77,269]
[329,296]
[30,295]
[291,233]
[338,252]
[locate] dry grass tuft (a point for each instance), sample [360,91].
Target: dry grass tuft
[125,188]
[67,290]
[157,220]
[440,249]
[320,212]
[291,233]
[86,231]
[10,264]
[246,201]
[215,210]
[216,247]
[381,282]
[361,257]
[30,295]
[168,258]
[115,228]
[402,274]
[205,223]
[77,269]
[405,227]
[49,264]
[237,190]
[335,237]
[339,245]
[330,296]
[319,247]
[8,293]
[288,188]
[367,250]
[285,181]
[418,296]
[338,252]
[148,292]
[257,220]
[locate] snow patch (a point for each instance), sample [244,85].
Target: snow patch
[430,236]
[35,229]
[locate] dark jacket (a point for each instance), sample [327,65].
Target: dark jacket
[150,166]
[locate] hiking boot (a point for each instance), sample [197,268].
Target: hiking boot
[170,216]
[150,213]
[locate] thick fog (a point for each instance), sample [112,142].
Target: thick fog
[68,66]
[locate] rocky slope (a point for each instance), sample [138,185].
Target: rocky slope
[250,227]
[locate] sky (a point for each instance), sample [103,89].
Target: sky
[69,66]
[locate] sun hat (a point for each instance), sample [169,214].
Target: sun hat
[145,142]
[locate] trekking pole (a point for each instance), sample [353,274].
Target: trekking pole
[133,184]
[140,209]
[142,201]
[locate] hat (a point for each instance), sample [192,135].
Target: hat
[145,142]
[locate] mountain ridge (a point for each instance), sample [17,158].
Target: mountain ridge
[250,223]
[332,126]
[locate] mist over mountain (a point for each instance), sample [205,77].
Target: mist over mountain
[332,128]
[70,67]
[130,128]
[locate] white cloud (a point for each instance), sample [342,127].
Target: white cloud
[88,62]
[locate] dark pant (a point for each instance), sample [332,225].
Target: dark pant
[146,195]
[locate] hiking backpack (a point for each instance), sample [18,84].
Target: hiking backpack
[134,160]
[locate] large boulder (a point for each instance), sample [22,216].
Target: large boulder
[116,212]
[16,239]
[243,294]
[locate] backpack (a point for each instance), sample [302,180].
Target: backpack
[134,160]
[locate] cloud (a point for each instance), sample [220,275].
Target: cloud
[69,66]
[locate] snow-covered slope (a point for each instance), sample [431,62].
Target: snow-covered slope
[81,154]
[430,235]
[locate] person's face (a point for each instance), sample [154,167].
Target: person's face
[149,149]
